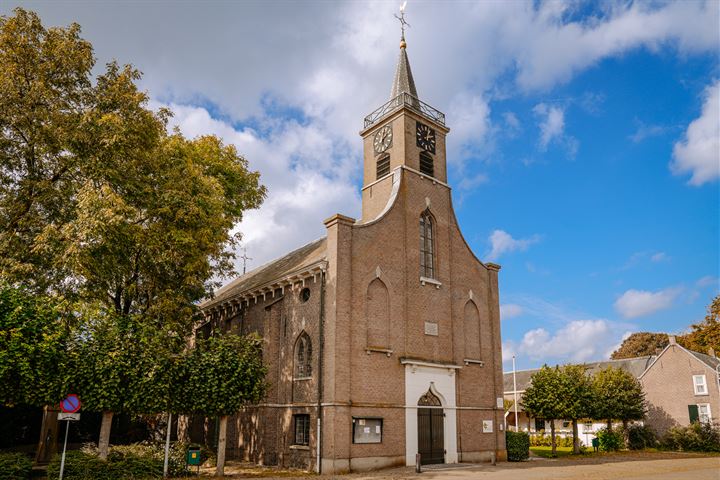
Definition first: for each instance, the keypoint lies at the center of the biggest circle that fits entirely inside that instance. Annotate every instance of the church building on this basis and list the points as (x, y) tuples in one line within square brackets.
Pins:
[(382, 339)]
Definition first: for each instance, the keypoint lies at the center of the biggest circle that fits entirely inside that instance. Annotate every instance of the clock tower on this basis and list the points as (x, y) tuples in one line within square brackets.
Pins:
[(403, 133)]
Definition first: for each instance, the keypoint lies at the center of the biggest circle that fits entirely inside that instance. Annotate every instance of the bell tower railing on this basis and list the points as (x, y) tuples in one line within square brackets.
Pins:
[(405, 99)]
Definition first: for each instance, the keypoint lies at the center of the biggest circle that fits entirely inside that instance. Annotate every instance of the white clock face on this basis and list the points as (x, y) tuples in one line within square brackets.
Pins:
[(383, 139)]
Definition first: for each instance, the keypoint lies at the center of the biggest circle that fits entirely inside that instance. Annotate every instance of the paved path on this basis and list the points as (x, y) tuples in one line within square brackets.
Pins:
[(675, 469)]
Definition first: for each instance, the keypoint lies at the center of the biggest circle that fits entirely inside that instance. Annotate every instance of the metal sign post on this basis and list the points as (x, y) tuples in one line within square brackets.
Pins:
[(69, 406)]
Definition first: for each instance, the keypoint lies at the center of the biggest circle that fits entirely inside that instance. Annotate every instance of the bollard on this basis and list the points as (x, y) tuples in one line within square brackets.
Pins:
[(493, 458), (418, 466)]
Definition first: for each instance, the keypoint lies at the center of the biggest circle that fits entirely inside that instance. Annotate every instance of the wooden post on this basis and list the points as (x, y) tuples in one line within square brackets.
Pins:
[(104, 441), (222, 436)]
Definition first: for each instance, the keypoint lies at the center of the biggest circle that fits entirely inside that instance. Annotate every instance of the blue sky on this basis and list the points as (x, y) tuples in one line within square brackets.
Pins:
[(583, 148)]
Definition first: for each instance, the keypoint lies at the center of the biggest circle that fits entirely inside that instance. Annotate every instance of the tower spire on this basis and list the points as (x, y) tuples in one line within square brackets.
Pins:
[(403, 82)]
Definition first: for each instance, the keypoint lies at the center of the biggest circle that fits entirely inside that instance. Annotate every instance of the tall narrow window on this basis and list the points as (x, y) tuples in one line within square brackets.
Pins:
[(700, 385), (383, 166), (426, 164), (303, 356), (427, 254)]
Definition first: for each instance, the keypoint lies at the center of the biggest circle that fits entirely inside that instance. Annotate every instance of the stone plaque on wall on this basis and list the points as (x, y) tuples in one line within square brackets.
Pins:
[(431, 329)]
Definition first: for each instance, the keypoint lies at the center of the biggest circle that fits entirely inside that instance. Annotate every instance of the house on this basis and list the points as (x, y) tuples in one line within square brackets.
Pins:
[(382, 339), (681, 386)]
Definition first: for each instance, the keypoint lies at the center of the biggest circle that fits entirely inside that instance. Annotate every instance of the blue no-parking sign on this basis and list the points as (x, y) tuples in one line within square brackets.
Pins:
[(70, 404)]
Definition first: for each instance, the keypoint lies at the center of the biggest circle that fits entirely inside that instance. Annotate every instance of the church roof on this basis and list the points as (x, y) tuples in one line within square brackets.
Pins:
[(296, 260), (403, 82)]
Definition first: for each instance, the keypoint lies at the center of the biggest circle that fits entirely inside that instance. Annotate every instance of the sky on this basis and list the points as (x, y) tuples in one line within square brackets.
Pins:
[(584, 151)]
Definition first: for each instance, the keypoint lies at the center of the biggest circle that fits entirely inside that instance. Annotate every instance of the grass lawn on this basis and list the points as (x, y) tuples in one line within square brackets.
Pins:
[(546, 451)]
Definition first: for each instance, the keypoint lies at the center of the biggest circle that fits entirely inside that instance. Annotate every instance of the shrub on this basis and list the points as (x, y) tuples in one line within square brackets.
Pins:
[(542, 439), (15, 466), (124, 462), (518, 446), (610, 440), (698, 437), (640, 437)]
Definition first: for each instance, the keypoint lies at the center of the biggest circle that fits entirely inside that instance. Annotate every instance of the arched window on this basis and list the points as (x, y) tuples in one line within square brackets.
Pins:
[(427, 252), (303, 356), (383, 166), (426, 164)]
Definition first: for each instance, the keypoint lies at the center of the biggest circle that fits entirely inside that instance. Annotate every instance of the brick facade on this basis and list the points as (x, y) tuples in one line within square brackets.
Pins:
[(382, 334)]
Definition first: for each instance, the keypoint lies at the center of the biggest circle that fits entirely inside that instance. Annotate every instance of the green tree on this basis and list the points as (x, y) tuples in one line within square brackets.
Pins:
[(706, 334), (542, 398), (576, 397), (221, 375), (640, 344), (32, 348), (99, 203), (618, 395)]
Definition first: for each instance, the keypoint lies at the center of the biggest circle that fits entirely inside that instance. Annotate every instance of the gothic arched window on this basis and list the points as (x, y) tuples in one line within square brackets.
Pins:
[(303, 356), (426, 164), (427, 252)]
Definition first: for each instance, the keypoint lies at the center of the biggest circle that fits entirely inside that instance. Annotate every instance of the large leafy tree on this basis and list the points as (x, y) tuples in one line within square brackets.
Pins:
[(219, 376), (618, 395), (576, 397), (640, 344), (706, 334), (542, 399), (101, 205)]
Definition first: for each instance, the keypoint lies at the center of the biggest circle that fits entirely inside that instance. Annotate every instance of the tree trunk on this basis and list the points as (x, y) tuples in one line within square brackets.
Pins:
[(221, 447), (183, 428), (609, 424), (576, 438), (552, 438), (47, 445), (104, 441), (626, 438)]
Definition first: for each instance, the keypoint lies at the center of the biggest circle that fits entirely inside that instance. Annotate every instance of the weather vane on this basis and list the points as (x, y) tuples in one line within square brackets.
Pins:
[(401, 17)]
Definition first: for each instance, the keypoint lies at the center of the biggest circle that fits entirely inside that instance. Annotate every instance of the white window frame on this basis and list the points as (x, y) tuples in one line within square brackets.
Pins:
[(708, 415), (702, 384)]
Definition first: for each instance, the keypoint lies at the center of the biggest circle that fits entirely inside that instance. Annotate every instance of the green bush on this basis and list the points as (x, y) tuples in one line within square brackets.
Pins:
[(610, 440), (134, 461), (640, 437), (15, 466), (698, 437), (541, 439), (518, 446)]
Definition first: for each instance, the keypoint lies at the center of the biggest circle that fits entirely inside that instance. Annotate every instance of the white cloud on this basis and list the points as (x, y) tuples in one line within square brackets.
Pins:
[(309, 177), (563, 334), (647, 131), (502, 242), (510, 310), (638, 303), (708, 281), (551, 125), (659, 257), (578, 341), (699, 152)]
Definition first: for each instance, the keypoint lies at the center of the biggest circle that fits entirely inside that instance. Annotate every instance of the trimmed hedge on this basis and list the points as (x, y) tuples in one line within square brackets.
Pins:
[(124, 462), (544, 439), (15, 466), (518, 446)]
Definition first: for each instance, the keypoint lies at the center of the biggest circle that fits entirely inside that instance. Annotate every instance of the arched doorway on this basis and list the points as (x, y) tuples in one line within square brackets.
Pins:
[(431, 425)]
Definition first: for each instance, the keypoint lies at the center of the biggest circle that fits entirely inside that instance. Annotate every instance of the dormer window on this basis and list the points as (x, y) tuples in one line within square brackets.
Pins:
[(383, 166), (426, 164)]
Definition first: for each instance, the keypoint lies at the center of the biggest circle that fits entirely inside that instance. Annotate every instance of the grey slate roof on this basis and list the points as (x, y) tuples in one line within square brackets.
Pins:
[(711, 362), (635, 366), (403, 82), (296, 260)]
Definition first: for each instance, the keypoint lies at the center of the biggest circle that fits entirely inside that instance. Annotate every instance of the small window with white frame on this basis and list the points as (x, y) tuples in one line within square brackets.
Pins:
[(700, 384), (704, 413)]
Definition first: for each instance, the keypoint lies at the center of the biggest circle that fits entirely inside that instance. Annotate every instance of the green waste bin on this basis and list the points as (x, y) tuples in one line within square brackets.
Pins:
[(596, 443), (193, 456)]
